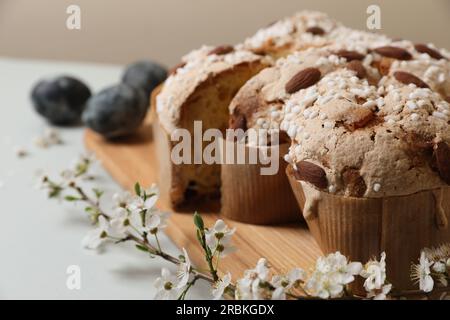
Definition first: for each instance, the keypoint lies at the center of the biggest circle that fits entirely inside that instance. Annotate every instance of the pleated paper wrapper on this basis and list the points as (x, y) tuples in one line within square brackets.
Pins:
[(248, 195), (362, 228)]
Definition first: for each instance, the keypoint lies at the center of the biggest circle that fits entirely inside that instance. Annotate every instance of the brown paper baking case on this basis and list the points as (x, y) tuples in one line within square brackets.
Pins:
[(250, 197), (362, 228)]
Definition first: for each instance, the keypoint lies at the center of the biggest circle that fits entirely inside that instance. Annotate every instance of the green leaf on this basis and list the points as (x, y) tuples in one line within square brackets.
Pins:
[(98, 193), (94, 217), (199, 238), (137, 189), (71, 198), (142, 248), (81, 169), (89, 209), (53, 194), (55, 191), (198, 221)]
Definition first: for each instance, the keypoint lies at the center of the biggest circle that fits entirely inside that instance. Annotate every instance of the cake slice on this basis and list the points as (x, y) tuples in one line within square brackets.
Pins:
[(199, 90)]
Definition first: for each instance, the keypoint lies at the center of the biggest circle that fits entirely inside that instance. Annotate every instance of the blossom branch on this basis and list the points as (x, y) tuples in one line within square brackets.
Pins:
[(143, 205), (143, 242), (135, 218)]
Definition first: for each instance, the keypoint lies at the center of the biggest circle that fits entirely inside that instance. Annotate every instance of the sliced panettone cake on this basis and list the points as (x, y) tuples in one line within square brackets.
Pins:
[(199, 90), (203, 85)]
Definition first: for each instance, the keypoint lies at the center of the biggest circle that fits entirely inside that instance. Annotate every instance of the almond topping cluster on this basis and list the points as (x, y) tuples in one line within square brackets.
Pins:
[(421, 101)]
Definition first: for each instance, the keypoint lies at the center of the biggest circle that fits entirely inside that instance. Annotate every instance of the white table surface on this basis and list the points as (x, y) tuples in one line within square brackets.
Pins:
[(40, 238)]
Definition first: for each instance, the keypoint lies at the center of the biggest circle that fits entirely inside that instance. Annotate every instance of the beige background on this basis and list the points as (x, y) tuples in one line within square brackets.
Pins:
[(120, 31)]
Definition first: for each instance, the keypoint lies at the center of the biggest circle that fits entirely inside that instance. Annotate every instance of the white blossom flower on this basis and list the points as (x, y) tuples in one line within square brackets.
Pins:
[(251, 286), (155, 222), (331, 274), (40, 180), (83, 163), (262, 269), (49, 138), (220, 286), (144, 216), (20, 152), (289, 280), (421, 273), (79, 170), (258, 291), (99, 235), (121, 222), (324, 285), (380, 294), (337, 264), (130, 222), (138, 204), (41, 142), (69, 176), (166, 286), (244, 289), (52, 136), (375, 273), (439, 267), (122, 199), (44, 182), (184, 270), (279, 294), (219, 237), (283, 283), (347, 270)]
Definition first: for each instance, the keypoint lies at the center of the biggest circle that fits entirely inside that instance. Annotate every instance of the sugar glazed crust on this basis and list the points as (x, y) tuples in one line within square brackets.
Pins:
[(303, 29), (195, 69), (367, 116)]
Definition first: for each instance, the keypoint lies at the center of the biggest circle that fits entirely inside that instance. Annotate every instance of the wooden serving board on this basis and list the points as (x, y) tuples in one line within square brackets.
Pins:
[(284, 246)]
